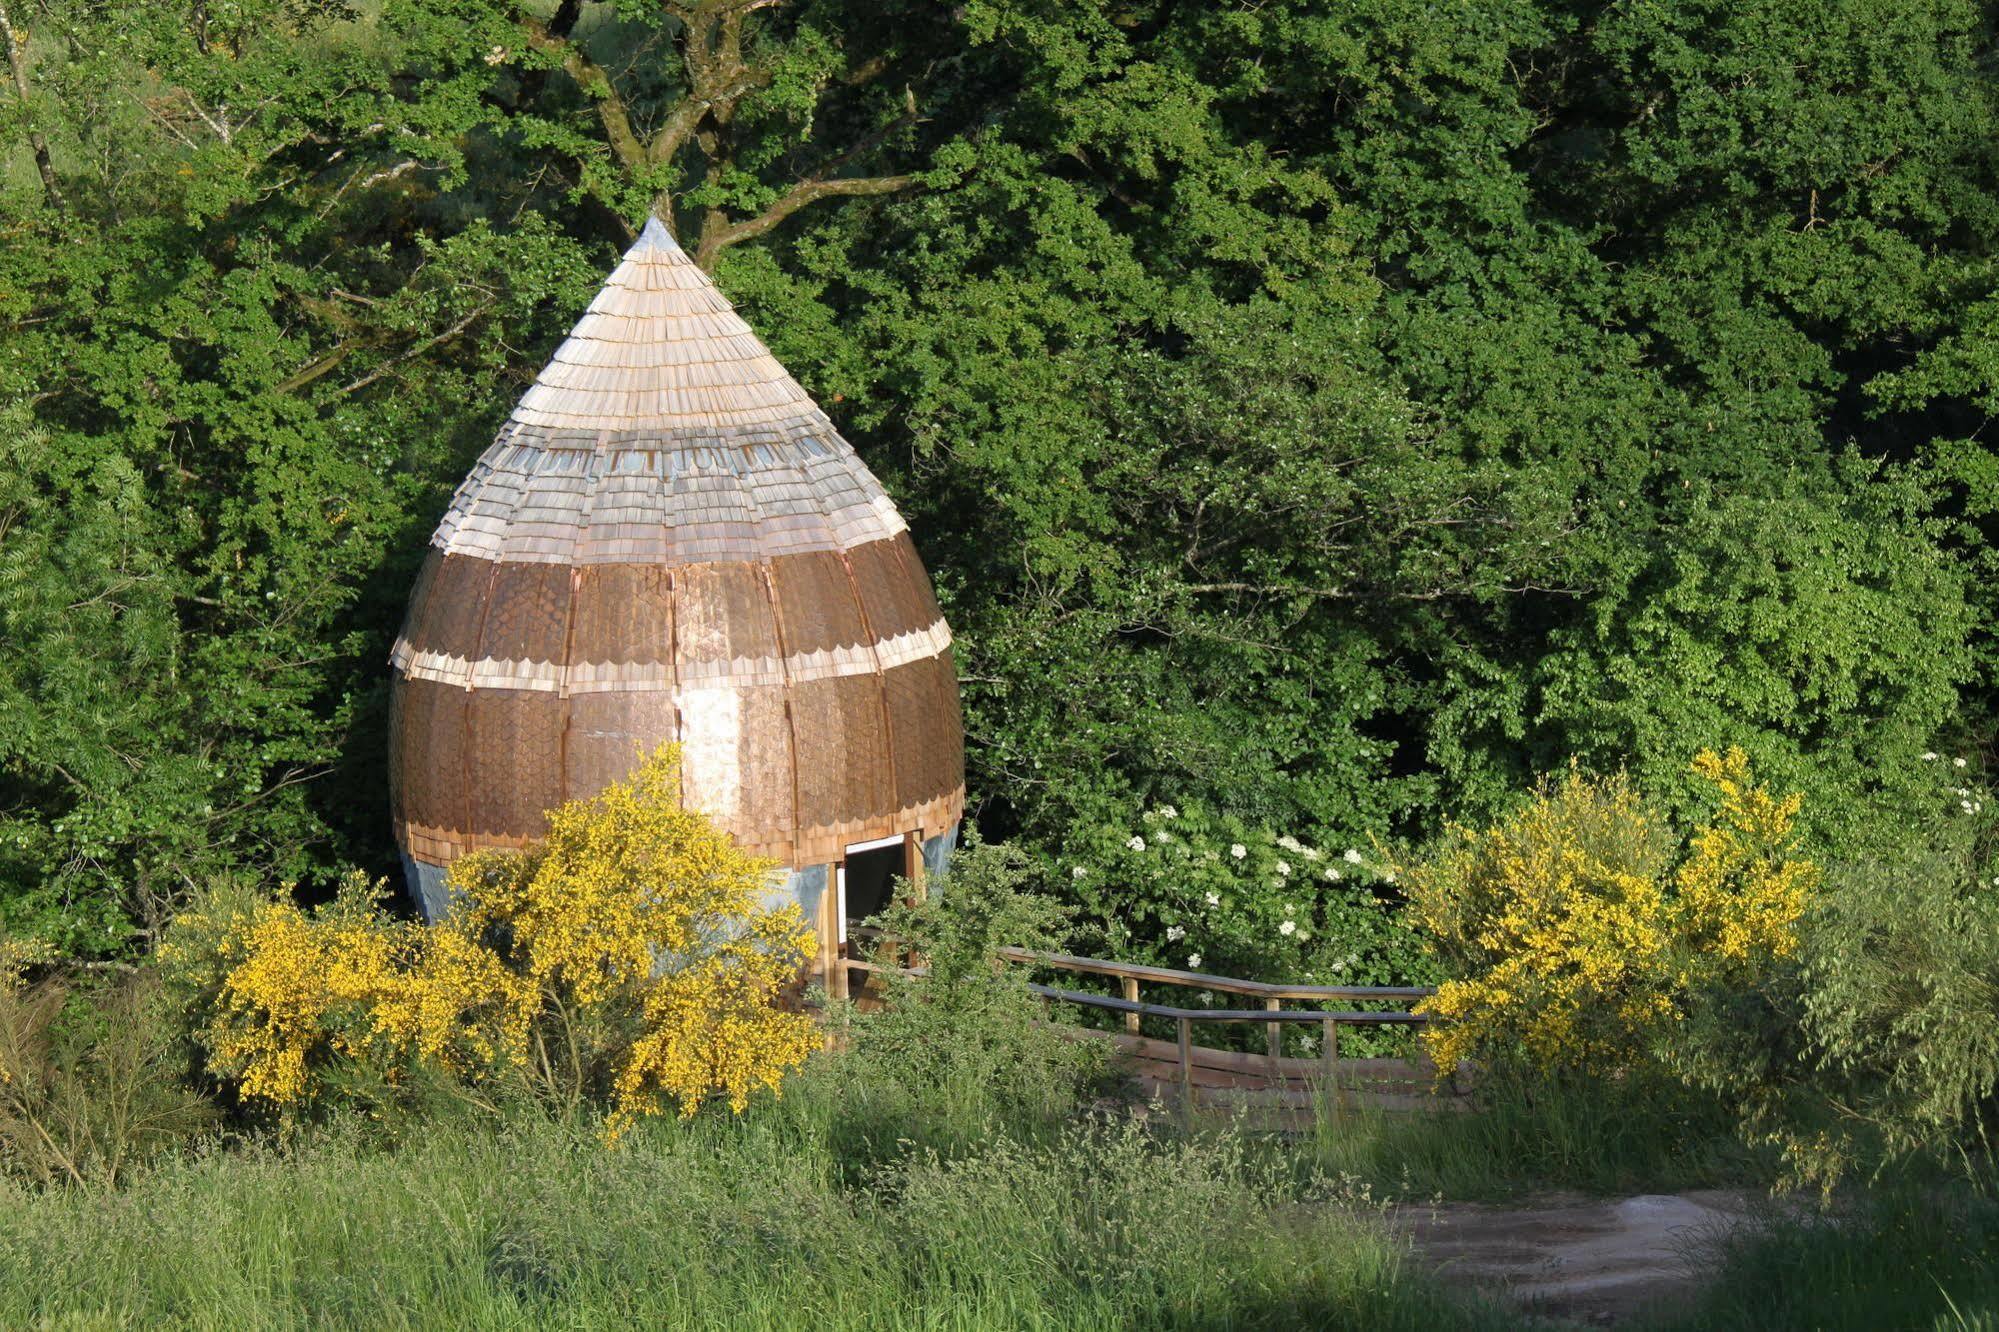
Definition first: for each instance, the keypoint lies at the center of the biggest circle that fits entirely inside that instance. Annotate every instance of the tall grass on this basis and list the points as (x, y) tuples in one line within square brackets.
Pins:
[(753, 1223), (1520, 1134), (1913, 1255)]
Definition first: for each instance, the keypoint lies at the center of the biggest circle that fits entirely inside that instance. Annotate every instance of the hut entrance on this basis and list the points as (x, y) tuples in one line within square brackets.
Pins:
[(867, 876), (863, 885)]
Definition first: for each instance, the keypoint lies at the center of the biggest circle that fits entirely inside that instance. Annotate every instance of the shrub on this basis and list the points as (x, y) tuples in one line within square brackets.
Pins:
[(1882, 1042), (1877, 1040), (1189, 888), (965, 1046), (92, 1075), (625, 959), (1900, 1004), (1582, 928)]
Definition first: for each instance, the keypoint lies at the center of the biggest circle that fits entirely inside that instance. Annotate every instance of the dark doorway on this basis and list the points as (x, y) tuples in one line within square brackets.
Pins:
[(870, 878)]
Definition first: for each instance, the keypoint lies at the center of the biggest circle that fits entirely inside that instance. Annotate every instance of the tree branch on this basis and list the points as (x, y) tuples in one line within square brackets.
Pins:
[(718, 77), (685, 118), (332, 360), (17, 62), (325, 365), (798, 196), (595, 82), (426, 345)]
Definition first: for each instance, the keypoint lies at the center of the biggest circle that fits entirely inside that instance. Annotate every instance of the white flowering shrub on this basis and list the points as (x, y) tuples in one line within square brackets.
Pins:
[(1200, 892)]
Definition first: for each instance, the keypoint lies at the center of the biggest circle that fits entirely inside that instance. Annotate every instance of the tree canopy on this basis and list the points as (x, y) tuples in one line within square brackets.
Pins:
[(1327, 412)]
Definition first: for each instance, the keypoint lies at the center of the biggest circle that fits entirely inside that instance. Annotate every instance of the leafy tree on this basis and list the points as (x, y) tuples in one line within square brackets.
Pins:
[(1325, 418)]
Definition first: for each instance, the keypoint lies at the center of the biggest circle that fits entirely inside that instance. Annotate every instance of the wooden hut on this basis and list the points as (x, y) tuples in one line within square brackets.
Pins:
[(668, 541)]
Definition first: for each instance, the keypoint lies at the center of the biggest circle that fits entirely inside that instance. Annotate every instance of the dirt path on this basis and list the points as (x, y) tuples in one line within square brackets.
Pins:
[(1589, 1260)]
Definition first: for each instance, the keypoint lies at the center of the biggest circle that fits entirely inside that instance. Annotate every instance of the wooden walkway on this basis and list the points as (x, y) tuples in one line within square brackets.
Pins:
[(1197, 1075)]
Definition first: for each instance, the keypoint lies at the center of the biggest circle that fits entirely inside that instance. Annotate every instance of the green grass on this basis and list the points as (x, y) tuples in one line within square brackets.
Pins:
[(852, 1204), (884, 1196), (1915, 1256), (757, 1223), (1521, 1137)]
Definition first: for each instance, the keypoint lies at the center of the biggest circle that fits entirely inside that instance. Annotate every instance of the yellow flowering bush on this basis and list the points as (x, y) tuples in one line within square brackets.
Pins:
[(637, 916), (19, 954), (1579, 926), (1740, 894), (627, 958)]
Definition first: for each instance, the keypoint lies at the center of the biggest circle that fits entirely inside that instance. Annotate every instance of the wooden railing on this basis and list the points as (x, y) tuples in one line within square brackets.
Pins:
[(1272, 1013)]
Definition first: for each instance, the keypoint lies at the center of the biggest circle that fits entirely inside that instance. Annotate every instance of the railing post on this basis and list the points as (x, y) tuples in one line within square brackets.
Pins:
[(1329, 1046), (1186, 1066), (1273, 1035), (1130, 986)]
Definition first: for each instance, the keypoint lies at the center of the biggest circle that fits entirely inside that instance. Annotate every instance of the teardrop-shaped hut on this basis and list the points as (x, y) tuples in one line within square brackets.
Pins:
[(667, 541)]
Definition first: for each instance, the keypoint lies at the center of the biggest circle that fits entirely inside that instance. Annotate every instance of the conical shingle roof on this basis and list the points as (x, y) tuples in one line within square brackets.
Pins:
[(668, 540)]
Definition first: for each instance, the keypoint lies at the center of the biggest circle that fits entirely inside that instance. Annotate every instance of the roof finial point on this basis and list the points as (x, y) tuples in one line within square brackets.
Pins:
[(655, 233)]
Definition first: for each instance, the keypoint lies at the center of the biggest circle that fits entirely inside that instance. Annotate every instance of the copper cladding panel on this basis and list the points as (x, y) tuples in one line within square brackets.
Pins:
[(736, 759), (426, 578), (610, 732), (893, 586), (843, 753), (514, 760), (527, 615), (925, 729), (455, 608), (725, 629), (427, 753), (768, 810), (623, 616), (816, 603)]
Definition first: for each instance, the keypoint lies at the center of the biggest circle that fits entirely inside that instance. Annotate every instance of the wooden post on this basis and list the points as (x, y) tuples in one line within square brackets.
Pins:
[(912, 867), (1329, 1048), (829, 968), (1273, 1035), (1130, 986), (1187, 1067), (836, 979), (912, 873)]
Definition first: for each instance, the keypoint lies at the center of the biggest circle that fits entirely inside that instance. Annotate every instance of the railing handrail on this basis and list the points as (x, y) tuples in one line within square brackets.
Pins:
[(1143, 1009), (1200, 980), (1138, 1006), (1196, 980), (1134, 1009)]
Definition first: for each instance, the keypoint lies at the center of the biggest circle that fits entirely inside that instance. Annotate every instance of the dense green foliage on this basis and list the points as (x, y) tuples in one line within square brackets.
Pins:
[(1322, 414), (949, 1168), (966, 1040), (1201, 891), (1878, 1043)]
